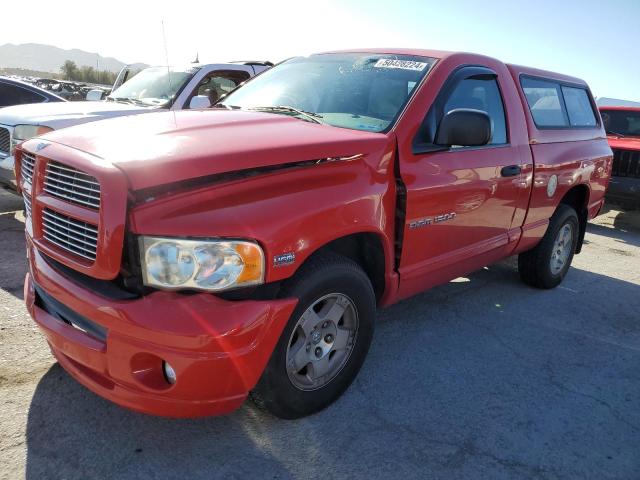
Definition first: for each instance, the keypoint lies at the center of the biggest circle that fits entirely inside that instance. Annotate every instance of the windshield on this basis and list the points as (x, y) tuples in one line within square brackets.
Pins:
[(624, 123), (154, 86), (349, 90)]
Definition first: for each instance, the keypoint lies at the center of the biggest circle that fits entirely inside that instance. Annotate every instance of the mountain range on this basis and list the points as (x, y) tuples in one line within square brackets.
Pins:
[(47, 58)]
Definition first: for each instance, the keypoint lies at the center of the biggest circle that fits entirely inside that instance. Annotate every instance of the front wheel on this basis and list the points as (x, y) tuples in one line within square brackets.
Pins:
[(546, 265), (325, 342)]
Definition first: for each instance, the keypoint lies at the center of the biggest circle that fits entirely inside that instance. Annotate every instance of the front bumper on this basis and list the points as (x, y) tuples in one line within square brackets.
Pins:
[(624, 191), (7, 177), (217, 348)]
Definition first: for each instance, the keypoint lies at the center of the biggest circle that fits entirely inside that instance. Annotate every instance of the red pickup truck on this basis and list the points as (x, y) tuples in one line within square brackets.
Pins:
[(622, 125), (181, 261)]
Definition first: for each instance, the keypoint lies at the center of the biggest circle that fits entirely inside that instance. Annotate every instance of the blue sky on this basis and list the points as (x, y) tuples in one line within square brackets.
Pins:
[(594, 40), (598, 41)]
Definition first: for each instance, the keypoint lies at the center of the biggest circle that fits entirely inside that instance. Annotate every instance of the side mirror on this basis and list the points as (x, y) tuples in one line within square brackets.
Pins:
[(94, 95), (464, 127), (200, 101)]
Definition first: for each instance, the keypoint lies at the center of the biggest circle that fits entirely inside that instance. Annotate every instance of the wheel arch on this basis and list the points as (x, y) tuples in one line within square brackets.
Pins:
[(577, 197), (367, 250)]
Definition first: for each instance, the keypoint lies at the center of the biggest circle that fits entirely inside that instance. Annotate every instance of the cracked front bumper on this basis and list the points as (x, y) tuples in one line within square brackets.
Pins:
[(217, 348)]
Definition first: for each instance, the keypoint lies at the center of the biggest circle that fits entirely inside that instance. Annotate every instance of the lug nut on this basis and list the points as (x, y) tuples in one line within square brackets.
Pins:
[(328, 338), (318, 352), (325, 324)]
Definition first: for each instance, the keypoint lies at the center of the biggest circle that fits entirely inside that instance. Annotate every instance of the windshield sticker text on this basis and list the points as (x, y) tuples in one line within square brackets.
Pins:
[(402, 64)]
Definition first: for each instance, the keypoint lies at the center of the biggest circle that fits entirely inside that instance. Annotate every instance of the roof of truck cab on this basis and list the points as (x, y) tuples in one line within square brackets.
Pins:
[(517, 70), (396, 51)]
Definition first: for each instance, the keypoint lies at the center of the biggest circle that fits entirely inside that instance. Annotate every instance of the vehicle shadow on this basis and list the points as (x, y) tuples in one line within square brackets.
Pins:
[(480, 378), (13, 266), (621, 230)]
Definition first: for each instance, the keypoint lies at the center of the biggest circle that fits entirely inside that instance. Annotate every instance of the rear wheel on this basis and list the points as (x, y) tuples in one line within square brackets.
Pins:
[(325, 342), (546, 265)]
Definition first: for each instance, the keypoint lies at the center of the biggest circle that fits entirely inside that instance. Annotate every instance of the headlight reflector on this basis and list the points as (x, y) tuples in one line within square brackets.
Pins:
[(211, 265), (26, 132)]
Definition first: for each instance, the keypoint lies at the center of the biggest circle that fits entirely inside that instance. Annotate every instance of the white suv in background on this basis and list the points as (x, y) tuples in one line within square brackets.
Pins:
[(174, 88)]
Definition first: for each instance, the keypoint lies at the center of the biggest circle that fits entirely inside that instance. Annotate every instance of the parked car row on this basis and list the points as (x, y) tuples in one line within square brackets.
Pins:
[(66, 89), (152, 89), (15, 92), (243, 249), (69, 90)]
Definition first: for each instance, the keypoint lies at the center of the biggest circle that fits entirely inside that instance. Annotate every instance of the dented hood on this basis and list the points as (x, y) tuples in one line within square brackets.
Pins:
[(166, 147)]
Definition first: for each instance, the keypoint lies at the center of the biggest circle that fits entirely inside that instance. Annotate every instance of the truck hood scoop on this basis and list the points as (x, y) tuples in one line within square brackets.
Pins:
[(167, 147)]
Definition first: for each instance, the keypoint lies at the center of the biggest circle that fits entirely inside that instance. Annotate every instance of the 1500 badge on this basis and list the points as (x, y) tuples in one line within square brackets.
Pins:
[(423, 222), (284, 259)]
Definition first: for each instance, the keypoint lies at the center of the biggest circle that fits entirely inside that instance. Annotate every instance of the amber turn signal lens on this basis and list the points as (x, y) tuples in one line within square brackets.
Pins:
[(252, 258)]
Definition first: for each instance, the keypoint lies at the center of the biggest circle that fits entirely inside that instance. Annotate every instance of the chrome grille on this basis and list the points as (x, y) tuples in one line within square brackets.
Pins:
[(27, 205), (27, 167), (72, 235), (626, 163), (72, 185), (5, 142)]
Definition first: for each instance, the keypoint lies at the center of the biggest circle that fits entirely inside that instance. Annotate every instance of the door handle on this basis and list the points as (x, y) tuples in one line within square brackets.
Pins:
[(510, 171)]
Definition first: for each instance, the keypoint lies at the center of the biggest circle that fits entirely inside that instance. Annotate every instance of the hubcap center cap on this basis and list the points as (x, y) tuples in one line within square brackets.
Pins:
[(316, 336)]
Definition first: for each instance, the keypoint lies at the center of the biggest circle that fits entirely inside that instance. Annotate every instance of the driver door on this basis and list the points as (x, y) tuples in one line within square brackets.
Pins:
[(460, 201)]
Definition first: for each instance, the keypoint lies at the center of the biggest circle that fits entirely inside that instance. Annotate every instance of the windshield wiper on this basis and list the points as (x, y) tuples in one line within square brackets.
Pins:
[(133, 101), (621, 135), (311, 116)]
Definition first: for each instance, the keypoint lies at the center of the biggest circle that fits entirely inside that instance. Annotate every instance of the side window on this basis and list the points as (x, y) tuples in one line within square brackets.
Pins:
[(219, 83), (481, 95), (579, 107), (545, 102), (14, 95)]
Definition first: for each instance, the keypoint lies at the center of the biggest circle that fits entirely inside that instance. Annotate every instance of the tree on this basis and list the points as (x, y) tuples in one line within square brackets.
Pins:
[(69, 70), (87, 74)]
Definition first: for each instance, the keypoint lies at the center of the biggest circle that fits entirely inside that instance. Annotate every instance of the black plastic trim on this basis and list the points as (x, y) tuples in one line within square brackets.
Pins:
[(63, 313), (104, 288), (511, 171)]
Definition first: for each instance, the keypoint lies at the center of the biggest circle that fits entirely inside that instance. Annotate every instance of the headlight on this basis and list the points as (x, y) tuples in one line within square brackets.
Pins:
[(25, 132), (211, 265)]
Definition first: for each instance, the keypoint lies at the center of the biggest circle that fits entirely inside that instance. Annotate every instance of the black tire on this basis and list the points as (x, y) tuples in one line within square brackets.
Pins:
[(321, 276), (534, 265)]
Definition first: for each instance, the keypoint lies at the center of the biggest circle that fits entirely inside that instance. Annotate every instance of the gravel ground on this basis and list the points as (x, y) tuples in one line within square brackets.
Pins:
[(480, 378)]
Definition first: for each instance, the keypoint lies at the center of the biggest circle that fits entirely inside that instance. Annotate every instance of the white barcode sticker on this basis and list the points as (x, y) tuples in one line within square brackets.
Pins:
[(402, 64)]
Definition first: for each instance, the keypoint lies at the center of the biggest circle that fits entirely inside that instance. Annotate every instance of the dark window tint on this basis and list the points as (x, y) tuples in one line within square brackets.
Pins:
[(545, 102), (578, 107), (621, 122), (14, 95), (481, 95)]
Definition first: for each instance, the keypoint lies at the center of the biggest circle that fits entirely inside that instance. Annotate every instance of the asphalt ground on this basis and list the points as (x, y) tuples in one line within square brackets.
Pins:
[(481, 378)]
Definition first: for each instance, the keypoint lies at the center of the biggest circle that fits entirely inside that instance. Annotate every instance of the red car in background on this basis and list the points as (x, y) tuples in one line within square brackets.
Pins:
[(622, 125)]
